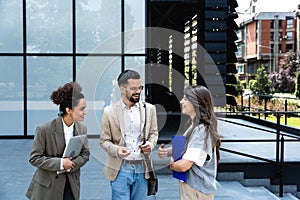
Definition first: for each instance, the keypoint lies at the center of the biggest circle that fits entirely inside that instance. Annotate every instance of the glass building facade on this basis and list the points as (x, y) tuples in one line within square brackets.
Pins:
[(47, 43)]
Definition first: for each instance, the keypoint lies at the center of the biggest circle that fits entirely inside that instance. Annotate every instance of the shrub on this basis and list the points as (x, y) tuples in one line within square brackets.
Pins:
[(239, 88)]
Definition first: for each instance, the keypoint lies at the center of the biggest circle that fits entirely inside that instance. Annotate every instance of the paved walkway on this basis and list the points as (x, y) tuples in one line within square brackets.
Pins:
[(16, 175), (262, 149), (16, 172)]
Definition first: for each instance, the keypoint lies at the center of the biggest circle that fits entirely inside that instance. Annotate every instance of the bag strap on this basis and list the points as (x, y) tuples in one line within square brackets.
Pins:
[(146, 156)]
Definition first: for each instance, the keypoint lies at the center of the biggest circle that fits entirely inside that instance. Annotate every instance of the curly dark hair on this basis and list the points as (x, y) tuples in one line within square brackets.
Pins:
[(67, 96)]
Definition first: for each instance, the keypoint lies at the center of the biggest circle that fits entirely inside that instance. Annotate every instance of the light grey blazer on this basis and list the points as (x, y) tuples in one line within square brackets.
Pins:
[(112, 134), (47, 150)]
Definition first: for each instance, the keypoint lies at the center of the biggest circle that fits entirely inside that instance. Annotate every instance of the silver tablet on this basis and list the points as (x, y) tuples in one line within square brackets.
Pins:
[(74, 146)]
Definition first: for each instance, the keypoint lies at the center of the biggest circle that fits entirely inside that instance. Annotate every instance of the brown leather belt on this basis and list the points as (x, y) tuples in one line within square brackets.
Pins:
[(133, 162)]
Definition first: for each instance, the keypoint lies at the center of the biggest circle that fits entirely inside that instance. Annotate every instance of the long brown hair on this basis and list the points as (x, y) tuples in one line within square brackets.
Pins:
[(202, 101)]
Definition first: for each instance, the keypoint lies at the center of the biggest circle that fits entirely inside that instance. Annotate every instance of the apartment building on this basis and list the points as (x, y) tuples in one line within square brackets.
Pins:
[(264, 40)]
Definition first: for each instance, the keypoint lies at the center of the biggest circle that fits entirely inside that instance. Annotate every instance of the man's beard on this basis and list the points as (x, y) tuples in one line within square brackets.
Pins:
[(133, 100)]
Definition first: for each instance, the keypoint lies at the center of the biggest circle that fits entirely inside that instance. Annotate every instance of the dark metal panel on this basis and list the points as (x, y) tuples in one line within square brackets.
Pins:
[(211, 14), (216, 4), (215, 36), (215, 46), (213, 25)]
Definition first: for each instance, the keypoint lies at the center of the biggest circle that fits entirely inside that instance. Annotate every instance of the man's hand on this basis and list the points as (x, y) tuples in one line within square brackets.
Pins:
[(164, 152), (146, 148), (123, 152)]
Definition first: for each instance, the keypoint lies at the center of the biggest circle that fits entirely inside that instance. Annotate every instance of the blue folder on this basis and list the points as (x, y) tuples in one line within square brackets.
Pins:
[(178, 144)]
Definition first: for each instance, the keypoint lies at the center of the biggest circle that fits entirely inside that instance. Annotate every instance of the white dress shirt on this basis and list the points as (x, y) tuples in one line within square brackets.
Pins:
[(68, 131), (132, 130)]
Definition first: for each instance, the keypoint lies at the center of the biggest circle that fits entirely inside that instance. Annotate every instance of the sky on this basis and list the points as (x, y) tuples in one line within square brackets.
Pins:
[(267, 6)]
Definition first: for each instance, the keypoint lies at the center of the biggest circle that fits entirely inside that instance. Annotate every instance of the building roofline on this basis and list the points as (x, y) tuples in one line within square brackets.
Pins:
[(266, 16)]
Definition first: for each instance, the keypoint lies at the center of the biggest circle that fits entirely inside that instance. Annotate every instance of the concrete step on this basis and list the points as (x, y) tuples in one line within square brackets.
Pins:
[(235, 190), (297, 194), (288, 196), (286, 188), (230, 176), (261, 193), (231, 190), (239, 176)]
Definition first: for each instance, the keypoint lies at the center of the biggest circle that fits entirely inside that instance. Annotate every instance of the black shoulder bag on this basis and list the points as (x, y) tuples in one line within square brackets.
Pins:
[(152, 181)]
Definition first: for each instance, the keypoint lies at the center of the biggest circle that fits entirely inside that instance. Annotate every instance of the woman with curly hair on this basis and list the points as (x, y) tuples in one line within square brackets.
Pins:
[(48, 146), (201, 154)]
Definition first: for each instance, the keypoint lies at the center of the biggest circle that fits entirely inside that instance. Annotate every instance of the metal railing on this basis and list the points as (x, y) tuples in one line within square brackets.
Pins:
[(265, 99), (280, 142)]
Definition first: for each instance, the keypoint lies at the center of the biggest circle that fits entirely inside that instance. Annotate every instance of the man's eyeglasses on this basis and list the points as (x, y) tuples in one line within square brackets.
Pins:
[(135, 88)]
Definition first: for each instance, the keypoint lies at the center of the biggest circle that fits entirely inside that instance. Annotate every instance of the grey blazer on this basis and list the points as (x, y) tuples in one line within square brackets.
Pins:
[(47, 150), (112, 135)]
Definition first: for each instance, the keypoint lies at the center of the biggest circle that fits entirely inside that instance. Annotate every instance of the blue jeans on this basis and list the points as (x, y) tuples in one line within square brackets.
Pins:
[(130, 183)]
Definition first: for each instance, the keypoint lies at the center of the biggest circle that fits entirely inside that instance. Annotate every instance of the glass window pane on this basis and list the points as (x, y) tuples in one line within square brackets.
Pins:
[(289, 23), (11, 26), (98, 23), (44, 75), (11, 96), (289, 35), (97, 76), (49, 26), (134, 26), (137, 64)]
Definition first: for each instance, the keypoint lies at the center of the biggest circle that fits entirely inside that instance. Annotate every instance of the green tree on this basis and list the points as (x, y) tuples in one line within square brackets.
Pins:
[(239, 87), (261, 85)]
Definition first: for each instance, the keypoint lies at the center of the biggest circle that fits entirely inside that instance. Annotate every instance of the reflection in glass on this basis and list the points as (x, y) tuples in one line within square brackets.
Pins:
[(96, 22), (11, 26), (11, 96), (44, 75), (134, 26), (138, 64), (49, 26), (97, 76), (49, 30)]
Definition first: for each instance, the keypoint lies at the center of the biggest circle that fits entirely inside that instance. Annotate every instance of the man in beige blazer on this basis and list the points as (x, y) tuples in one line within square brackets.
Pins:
[(122, 137)]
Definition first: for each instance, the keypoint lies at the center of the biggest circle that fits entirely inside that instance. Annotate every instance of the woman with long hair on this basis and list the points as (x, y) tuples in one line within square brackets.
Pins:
[(201, 155)]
